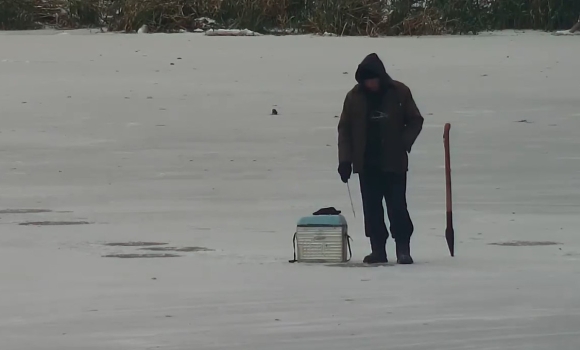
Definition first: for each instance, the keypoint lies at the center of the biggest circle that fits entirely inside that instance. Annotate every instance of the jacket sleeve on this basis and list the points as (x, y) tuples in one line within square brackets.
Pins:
[(413, 120), (345, 133)]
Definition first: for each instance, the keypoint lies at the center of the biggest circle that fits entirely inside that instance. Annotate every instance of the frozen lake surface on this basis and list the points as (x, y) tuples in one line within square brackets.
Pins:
[(169, 139)]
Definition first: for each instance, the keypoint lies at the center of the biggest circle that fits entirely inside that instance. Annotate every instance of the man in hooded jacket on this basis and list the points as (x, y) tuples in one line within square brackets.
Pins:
[(378, 126)]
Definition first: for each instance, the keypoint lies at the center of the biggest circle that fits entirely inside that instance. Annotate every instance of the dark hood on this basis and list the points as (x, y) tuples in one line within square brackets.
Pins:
[(373, 66)]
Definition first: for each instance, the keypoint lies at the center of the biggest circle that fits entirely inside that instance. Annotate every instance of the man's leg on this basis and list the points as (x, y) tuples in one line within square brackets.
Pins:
[(372, 184), (399, 218), (576, 27)]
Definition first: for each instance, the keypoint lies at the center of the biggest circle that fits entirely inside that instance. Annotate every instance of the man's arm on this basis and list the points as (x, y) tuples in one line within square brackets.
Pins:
[(413, 120), (345, 133)]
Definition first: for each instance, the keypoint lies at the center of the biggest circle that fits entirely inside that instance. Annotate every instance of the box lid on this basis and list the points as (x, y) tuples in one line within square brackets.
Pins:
[(322, 220)]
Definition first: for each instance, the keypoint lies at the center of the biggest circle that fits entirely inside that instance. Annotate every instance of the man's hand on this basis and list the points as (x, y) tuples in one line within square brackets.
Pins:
[(345, 170)]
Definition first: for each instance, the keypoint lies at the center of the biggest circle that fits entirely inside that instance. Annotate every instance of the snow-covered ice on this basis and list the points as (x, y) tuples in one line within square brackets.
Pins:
[(169, 138)]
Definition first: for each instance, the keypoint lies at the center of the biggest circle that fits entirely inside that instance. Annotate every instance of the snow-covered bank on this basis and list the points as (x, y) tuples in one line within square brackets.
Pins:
[(169, 138)]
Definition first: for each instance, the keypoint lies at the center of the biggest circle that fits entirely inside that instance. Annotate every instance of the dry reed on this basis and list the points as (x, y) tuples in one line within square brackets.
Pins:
[(342, 17)]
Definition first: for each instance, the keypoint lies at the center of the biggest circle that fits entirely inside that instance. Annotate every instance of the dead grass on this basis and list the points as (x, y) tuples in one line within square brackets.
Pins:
[(341, 17)]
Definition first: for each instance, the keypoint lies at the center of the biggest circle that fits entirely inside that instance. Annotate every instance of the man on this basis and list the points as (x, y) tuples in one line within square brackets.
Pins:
[(377, 128)]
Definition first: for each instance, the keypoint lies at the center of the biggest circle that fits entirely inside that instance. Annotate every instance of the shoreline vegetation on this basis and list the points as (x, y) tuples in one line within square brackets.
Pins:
[(284, 17)]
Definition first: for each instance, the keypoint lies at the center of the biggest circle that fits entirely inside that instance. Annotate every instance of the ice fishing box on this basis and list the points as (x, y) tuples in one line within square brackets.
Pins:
[(322, 238)]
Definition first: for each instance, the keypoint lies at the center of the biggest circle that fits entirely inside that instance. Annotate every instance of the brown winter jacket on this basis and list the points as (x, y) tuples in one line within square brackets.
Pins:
[(399, 129)]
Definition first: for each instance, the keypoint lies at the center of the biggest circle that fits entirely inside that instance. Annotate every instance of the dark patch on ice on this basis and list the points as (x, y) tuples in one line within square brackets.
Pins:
[(54, 223), (524, 121), (140, 256), (524, 243), (177, 249), (274, 111), (24, 211), (133, 244)]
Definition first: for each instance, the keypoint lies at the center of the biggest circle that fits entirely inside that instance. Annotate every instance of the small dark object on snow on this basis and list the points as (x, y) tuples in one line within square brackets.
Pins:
[(344, 72), (327, 211), (274, 111), (524, 121), (336, 116), (173, 64)]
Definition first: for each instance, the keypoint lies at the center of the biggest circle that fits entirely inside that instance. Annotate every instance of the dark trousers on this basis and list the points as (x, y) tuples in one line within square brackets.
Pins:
[(376, 185)]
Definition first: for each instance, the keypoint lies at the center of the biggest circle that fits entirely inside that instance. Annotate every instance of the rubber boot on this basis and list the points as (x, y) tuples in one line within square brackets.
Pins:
[(404, 253), (378, 253)]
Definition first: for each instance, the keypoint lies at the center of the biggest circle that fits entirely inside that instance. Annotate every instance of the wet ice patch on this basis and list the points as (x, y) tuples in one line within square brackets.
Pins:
[(54, 223), (133, 244), (141, 256), (524, 243), (177, 249), (24, 211)]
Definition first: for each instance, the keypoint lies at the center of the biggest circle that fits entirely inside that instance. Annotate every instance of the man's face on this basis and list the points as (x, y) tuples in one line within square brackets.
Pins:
[(373, 84)]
